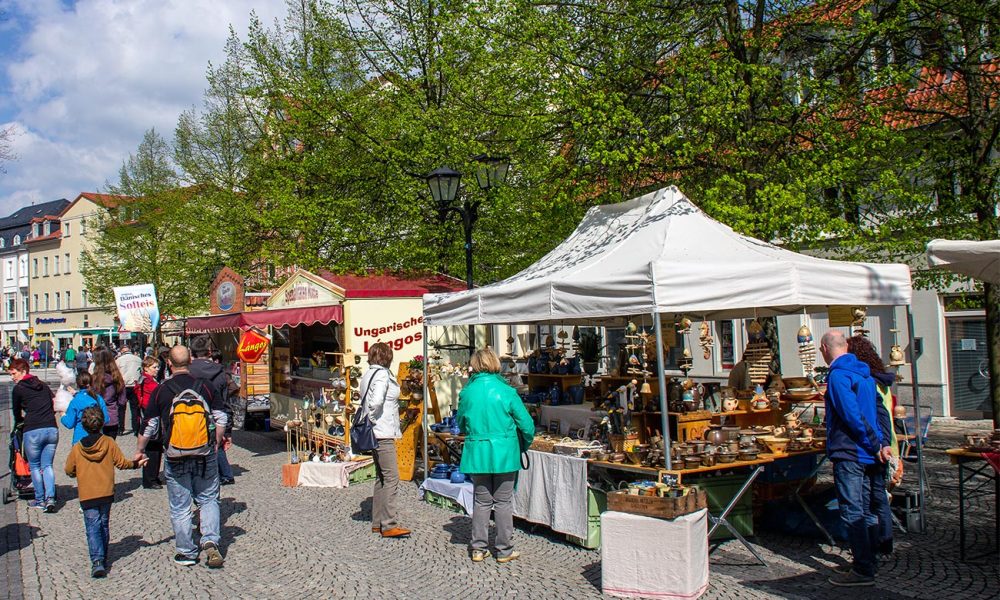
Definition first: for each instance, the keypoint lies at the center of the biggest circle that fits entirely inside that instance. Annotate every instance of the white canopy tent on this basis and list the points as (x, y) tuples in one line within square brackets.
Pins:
[(659, 254), (980, 260)]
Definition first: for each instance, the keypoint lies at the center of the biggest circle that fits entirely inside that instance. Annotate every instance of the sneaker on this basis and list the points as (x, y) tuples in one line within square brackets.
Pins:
[(480, 555), (213, 558), (36, 504), (506, 559), (852, 579), (184, 561), (152, 486), (97, 570), (50, 506), (842, 569), (227, 481)]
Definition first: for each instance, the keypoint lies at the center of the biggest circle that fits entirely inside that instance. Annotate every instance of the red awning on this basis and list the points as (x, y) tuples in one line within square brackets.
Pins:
[(291, 317)]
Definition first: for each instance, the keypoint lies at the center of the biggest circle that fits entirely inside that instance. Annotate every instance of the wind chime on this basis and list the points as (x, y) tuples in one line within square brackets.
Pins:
[(705, 340), (859, 313), (807, 351), (896, 356), (757, 354)]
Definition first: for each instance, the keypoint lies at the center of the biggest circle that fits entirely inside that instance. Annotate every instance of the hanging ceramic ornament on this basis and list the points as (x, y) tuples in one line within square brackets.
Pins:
[(896, 356), (684, 325), (705, 340), (807, 351), (755, 332), (758, 358), (631, 328), (576, 333)]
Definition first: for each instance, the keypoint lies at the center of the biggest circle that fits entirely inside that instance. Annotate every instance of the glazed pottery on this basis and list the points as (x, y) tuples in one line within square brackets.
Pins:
[(708, 460), (726, 457), (715, 436), (692, 462), (748, 455), (733, 446)]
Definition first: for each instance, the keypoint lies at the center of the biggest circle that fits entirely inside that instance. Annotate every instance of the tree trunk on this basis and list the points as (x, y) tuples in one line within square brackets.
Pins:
[(991, 298)]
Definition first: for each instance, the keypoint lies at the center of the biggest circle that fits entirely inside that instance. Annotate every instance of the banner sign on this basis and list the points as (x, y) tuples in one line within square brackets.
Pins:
[(137, 308), (252, 346)]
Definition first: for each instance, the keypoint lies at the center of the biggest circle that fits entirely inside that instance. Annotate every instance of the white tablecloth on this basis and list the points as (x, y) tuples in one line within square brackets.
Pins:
[(654, 558), (553, 492), (571, 417), (459, 492), (334, 474)]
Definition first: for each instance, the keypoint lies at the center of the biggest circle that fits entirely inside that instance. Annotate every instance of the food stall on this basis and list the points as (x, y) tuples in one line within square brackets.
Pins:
[(317, 329), (658, 262)]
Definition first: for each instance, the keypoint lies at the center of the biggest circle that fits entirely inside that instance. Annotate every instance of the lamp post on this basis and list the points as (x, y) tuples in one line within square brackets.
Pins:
[(444, 184)]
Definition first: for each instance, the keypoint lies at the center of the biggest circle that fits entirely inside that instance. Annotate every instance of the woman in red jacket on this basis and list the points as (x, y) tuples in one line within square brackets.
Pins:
[(154, 449)]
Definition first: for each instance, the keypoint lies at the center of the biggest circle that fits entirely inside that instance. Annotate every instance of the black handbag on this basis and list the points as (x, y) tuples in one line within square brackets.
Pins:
[(362, 427)]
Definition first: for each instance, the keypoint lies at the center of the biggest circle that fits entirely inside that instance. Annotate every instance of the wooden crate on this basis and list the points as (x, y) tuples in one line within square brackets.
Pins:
[(654, 506)]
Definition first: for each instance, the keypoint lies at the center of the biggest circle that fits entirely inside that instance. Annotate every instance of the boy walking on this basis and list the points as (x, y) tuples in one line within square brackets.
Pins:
[(92, 461)]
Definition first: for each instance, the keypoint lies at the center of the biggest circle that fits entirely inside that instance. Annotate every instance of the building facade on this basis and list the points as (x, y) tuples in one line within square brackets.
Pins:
[(15, 312), (61, 313)]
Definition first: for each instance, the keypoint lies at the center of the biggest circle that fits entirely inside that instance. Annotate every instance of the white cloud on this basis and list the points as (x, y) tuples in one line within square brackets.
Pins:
[(87, 81)]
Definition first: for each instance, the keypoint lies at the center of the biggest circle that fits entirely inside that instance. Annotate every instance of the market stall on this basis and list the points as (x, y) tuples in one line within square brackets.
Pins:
[(657, 262)]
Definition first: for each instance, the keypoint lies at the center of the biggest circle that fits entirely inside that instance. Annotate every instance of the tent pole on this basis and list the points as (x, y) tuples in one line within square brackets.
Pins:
[(427, 395), (921, 475), (662, 380)]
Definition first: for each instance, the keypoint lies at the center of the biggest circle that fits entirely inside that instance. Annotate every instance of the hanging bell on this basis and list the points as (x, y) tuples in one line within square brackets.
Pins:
[(805, 336), (896, 356), (645, 389), (755, 332)]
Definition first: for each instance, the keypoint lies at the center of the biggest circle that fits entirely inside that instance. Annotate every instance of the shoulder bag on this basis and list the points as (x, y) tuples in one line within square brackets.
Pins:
[(362, 426)]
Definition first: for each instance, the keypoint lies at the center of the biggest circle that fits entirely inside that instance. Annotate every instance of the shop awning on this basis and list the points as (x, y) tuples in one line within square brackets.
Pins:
[(83, 331), (292, 317), (979, 259)]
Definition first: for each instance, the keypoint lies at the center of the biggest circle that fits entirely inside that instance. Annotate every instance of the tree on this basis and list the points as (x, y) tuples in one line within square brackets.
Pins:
[(156, 234), (6, 146)]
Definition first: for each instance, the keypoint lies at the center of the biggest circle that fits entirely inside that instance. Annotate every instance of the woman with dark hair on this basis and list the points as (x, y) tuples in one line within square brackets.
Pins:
[(379, 390), (865, 351), (33, 412), (108, 383)]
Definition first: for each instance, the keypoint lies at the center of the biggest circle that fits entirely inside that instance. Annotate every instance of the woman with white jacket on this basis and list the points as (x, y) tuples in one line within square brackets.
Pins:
[(379, 390)]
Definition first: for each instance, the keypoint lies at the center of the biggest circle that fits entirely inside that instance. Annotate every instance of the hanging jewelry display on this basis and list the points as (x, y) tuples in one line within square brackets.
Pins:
[(807, 351), (705, 340), (757, 353)]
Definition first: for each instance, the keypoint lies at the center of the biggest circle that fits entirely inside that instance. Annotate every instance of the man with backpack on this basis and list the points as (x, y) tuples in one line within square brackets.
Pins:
[(203, 367), (190, 421)]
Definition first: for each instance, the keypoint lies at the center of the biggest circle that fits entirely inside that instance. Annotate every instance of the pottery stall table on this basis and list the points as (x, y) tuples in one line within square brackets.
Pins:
[(755, 468), (552, 491), (448, 445), (973, 468)]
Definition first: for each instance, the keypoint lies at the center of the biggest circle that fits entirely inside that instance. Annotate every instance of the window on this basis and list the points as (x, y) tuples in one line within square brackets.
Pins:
[(10, 305), (83, 296), (67, 301), (46, 228), (58, 301), (22, 270), (65, 229), (727, 344), (3, 242), (36, 230), (34, 265), (17, 240), (24, 300), (56, 265), (36, 302), (67, 262), (83, 227), (9, 269), (46, 302), (45, 266)]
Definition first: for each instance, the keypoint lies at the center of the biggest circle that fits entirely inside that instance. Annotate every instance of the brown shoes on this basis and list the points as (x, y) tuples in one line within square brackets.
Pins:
[(376, 530), (395, 532)]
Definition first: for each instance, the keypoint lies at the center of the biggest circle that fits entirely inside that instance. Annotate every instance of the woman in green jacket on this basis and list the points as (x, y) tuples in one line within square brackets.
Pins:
[(496, 427)]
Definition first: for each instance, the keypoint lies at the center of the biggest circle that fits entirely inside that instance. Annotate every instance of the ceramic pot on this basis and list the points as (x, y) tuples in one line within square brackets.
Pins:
[(708, 460), (692, 462), (732, 433), (715, 436), (726, 457), (748, 454), (733, 446)]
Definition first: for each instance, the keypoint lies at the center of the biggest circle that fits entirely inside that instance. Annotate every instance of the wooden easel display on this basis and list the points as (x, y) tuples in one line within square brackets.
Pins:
[(407, 446)]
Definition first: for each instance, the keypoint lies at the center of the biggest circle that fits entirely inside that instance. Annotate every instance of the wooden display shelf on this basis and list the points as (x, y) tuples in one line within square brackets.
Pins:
[(652, 472), (680, 473)]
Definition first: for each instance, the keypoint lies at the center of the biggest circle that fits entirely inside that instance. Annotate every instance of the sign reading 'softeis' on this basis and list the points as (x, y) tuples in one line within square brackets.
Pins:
[(252, 346)]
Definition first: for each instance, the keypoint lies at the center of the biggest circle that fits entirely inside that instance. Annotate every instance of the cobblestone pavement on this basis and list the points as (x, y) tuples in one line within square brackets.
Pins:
[(316, 543)]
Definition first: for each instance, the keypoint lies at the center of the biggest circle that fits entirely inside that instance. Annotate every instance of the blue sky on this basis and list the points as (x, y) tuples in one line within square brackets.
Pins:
[(80, 81)]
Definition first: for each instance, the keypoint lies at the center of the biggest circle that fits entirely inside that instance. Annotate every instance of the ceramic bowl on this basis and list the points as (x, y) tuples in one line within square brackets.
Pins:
[(748, 455), (726, 457), (775, 444), (692, 462)]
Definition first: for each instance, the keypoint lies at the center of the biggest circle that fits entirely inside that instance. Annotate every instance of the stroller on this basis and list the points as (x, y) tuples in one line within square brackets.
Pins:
[(20, 473)]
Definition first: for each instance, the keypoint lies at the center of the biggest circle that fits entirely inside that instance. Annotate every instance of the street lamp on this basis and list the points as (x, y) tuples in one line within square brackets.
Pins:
[(444, 184)]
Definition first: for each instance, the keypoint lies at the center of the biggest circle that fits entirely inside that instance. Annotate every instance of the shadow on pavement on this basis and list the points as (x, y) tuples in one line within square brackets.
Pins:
[(129, 544), (16, 536), (364, 512)]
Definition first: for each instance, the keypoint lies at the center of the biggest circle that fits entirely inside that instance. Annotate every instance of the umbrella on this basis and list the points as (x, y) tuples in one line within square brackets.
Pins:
[(975, 259)]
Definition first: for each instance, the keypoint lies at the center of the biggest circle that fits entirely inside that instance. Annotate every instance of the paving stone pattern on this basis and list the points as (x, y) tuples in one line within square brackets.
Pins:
[(316, 543)]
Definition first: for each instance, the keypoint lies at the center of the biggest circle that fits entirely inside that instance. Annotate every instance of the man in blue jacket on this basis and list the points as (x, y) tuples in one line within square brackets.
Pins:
[(856, 448)]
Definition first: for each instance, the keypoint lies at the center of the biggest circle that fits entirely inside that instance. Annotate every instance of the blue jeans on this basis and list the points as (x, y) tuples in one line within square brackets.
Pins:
[(882, 511), (97, 523), (193, 480), (856, 488), (225, 469), (39, 450)]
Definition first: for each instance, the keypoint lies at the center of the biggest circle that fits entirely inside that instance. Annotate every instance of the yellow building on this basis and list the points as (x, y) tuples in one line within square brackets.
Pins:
[(60, 311)]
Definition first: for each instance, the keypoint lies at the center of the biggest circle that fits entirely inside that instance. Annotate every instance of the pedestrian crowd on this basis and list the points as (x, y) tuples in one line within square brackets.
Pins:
[(181, 420)]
